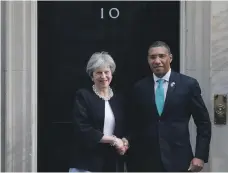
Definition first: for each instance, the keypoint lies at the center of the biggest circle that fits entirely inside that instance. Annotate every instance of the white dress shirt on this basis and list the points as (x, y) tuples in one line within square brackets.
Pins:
[(165, 84), (109, 121)]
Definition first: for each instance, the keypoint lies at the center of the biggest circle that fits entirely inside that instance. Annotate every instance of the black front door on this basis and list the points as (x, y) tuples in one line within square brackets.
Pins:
[(68, 34)]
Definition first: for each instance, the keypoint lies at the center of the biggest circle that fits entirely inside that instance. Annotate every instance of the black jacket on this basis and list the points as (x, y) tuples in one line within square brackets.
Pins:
[(161, 143), (88, 118)]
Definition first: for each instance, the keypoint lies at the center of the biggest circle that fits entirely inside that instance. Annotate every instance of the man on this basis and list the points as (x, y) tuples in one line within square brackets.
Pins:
[(162, 105)]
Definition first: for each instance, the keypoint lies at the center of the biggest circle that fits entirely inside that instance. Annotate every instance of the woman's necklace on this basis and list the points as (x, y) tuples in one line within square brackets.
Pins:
[(110, 93)]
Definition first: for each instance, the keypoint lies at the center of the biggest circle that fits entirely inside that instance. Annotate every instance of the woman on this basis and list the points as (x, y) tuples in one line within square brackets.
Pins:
[(99, 121)]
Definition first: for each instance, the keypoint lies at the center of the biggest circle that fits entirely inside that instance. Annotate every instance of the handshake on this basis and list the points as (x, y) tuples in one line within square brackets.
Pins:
[(121, 145)]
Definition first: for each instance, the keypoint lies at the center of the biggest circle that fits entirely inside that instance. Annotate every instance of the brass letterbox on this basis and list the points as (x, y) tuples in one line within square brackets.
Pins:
[(220, 109)]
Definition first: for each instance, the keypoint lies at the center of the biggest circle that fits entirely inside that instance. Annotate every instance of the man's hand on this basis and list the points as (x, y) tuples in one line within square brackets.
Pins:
[(196, 165), (120, 146)]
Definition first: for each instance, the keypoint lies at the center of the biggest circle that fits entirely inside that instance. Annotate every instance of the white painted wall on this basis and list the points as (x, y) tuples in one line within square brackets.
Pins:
[(219, 80), (19, 62), (196, 58)]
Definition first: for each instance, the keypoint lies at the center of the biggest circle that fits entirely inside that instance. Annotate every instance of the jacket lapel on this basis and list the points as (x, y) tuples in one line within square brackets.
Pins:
[(117, 109), (153, 97), (99, 109), (170, 91), (150, 95)]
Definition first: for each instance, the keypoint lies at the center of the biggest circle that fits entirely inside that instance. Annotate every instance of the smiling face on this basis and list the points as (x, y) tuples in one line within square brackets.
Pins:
[(159, 60), (102, 77)]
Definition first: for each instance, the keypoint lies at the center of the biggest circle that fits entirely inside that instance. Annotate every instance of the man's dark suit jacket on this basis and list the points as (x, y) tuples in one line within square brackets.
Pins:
[(161, 143), (88, 117)]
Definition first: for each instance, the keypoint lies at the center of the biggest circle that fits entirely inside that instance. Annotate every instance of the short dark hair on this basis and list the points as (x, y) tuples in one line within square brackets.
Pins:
[(160, 44)]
